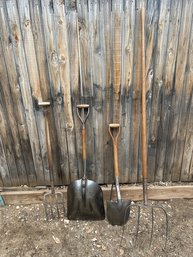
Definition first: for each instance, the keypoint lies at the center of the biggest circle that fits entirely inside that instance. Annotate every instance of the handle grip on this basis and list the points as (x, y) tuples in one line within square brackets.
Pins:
[(44, 104), (83, 112)]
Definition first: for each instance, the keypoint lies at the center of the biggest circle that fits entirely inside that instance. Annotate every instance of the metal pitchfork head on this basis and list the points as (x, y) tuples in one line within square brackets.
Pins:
[(145, 205), (152, 209), (53, 201)]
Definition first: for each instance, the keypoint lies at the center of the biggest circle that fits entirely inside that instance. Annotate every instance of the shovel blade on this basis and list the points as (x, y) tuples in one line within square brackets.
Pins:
[(118, 212), (91, 207)]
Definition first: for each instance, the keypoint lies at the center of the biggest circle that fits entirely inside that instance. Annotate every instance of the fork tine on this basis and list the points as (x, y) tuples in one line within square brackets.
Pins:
[(152, 226), (138, 220), (166, 220), (54, 205)]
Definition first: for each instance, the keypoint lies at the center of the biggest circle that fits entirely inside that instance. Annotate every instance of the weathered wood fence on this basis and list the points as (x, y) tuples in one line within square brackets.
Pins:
[(42, 57)]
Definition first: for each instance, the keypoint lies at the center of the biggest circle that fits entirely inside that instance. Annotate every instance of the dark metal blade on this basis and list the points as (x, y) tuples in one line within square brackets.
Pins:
[(91, 207), (118, 212)]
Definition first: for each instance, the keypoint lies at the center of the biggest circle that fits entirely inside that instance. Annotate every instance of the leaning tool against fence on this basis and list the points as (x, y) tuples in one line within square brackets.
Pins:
[(84, 196), (53, 201), (117, 210), (145, 206)]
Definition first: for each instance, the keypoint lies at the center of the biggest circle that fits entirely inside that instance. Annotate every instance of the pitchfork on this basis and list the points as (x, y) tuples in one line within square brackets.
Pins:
[(145, 205), (53, 201)]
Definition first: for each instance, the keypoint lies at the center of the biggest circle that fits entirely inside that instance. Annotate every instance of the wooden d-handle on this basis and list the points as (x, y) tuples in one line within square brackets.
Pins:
[(82, 112), (115, 128)]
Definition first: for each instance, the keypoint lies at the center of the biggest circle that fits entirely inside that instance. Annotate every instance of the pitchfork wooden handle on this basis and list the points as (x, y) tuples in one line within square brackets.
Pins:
[(143, 99), (48, 141)]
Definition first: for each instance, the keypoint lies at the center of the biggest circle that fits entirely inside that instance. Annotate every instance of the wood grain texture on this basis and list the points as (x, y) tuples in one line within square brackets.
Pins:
[(168, 82), (86, 90), (135, 193), (108, 91), (24, 85), (185, 105), (98, 85), (127, 79), (49, 21), (89, 52), (136, 99), (178, 88)]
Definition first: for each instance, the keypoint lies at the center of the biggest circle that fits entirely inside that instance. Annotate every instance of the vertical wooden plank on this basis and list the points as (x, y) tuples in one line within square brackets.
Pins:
[(108, 97), (61, 175), (116, 57), (151, 24), (73, 27), (185, 132), (10, 117), (39, 78), (136, 97), (34, 77), (85, 54), (185, 104), (16, 95), (187, 161), (159, 61), (167, 92), (97, 66), (10, 174), (64, 71), (4, 170), (117, 63), (128, 26), (87, 82), (168, 76), (151, 33), (19, 56), (178, 89)]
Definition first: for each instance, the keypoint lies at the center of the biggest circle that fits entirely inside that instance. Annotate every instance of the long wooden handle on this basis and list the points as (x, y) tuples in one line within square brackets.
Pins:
[(83, 144), (48, 144), (46, 106), (143, 101)]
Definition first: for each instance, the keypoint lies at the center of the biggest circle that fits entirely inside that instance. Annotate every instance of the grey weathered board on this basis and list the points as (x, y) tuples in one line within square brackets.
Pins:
[(71, 52)]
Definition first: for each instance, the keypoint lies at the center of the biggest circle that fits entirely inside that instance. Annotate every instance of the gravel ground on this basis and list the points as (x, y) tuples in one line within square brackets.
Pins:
[(26, 233)]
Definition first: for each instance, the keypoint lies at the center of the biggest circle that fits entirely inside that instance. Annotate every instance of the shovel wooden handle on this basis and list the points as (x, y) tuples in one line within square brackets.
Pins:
[(115, 128), (143, 100), (83, 112), (83, 144)]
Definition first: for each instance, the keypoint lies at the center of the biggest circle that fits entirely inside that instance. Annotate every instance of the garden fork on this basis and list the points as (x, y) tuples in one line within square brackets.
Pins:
[(53, 201), (145, 205)]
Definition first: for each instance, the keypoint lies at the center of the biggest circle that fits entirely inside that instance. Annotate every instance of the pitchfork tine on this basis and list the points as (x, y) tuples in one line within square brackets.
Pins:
[(152, 225), (138, 219)]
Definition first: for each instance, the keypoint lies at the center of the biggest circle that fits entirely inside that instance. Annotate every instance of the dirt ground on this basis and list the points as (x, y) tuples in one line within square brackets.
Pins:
[(24, 232)]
